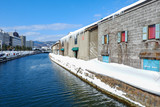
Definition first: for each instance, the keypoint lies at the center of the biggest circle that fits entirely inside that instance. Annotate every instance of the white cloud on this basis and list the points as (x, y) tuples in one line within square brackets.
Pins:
[(54, 27), (49, 37), (31, 34), (42, 37), (97, 15), (131, 1)]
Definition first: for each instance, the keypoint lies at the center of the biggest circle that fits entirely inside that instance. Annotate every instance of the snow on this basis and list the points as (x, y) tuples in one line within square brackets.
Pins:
[(123, 9), (73, 34), (146, 80), (139, 78), (12, 54)]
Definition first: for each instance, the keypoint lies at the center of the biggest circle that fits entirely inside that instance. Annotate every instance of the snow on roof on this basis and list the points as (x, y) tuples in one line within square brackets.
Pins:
[(124, 8), (73, 34)]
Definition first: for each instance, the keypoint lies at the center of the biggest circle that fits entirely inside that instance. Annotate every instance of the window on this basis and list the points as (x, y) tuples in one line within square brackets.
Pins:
[(75, 40), (151, 32), (62, 44), (105, 39), (123, 36)]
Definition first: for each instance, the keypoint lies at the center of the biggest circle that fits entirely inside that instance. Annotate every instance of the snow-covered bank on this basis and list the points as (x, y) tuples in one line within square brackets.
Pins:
[(145, 80), (9, 55)]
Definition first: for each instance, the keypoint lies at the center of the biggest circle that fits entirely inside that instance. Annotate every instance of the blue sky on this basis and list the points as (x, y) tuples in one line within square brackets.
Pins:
[(49, 20)]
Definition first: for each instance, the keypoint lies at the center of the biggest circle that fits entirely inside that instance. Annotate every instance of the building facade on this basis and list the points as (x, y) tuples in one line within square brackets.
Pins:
[(15, 40), (5, 38), (81, 44), (56, 48), (30, 44), (23, 40), (132, 37)]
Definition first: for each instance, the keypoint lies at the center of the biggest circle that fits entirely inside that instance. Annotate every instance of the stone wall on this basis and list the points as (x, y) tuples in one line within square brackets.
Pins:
[(135, 94), (133, 21)]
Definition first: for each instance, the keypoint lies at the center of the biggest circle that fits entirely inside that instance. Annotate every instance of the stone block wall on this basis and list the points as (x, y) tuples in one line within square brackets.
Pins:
[(93, 43), (133, 93), (133, 21)]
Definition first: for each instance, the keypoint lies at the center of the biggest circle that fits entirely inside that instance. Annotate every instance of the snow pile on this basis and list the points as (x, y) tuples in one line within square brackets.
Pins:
[(139, 78), (145, 80)]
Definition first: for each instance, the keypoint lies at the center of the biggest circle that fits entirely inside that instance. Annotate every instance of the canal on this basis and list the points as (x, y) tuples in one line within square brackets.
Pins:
[(35, 81)]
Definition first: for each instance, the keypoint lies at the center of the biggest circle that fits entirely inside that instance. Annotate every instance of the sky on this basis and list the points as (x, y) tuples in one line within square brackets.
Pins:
[(50, 20)]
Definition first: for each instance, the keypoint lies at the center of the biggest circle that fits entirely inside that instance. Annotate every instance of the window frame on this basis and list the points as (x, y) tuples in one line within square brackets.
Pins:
[(149, 36), (123, 32)]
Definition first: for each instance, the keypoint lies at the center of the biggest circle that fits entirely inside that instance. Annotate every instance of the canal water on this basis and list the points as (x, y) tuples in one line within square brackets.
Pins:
[(35, 81)]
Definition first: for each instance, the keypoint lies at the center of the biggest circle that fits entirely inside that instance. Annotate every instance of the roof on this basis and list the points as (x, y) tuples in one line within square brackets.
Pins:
[(123, 9), (89, 27), (55, 43)]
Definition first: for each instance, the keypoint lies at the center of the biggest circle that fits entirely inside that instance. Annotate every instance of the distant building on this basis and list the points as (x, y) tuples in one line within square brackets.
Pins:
[(30, 44), (15, 39), (5, 38), (55, 48), (23, 40)]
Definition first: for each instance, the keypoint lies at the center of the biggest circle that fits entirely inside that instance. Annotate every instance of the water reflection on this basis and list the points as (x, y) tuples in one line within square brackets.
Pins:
[(36, 81)]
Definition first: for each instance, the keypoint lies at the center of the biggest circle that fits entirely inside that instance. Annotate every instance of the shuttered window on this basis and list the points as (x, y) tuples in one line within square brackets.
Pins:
[(123, 36), (151, 32), (105, 39)]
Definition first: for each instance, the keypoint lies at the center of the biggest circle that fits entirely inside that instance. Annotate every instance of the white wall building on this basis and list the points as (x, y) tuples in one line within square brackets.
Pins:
[(4, 37), (23, 40), (30, 44)]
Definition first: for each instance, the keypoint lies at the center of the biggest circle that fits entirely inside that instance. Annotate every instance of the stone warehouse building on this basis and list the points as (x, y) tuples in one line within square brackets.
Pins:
[(81, 44), (56, 48), (132, 37)]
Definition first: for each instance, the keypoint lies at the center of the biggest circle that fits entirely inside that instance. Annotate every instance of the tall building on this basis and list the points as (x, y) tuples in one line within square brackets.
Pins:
[(23, 40), (4, 37), (30, 44), (15, 39)]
